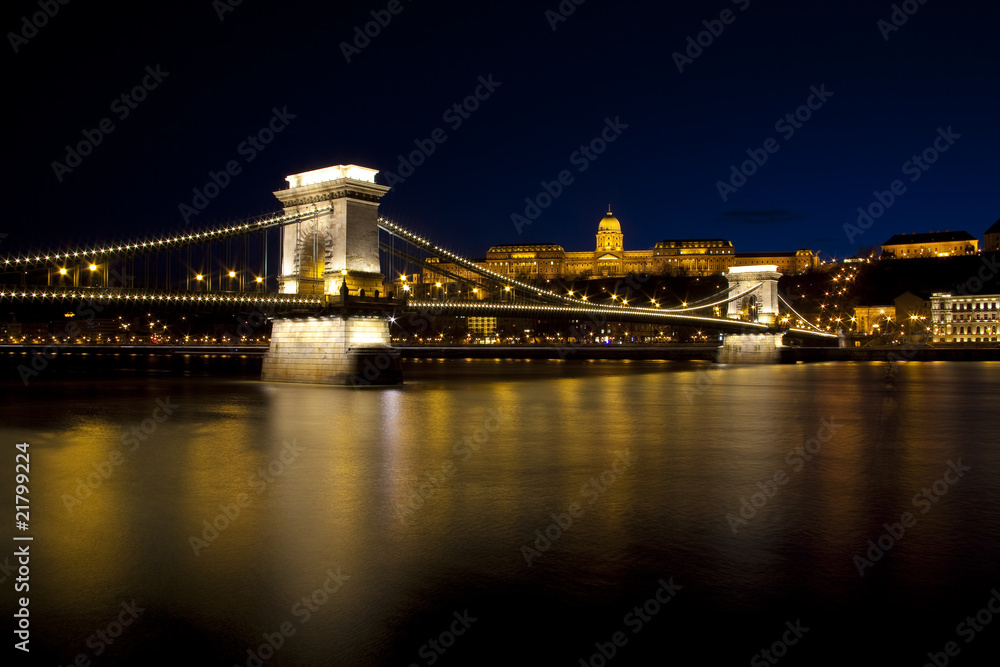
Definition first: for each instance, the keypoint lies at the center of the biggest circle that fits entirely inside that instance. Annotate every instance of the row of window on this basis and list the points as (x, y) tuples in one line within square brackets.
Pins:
[(983, 339), (709, 252), (963, 305), (964, 316), (968, 317), (979, 330)]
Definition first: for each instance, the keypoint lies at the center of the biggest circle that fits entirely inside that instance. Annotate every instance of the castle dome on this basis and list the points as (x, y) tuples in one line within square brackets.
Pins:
[(609, 223)]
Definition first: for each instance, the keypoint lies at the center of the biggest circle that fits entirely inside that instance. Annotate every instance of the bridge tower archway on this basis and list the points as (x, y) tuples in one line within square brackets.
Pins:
[(340, 245), (761, 305), (310, 260), (335, 254)]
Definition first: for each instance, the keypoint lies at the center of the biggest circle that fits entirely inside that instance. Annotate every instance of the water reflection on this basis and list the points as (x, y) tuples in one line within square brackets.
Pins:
[(365, 519)]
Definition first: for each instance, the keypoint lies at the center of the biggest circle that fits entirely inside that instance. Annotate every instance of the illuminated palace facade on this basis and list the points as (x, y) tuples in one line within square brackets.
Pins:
[(965, 318), (932, 244), (692, 257)]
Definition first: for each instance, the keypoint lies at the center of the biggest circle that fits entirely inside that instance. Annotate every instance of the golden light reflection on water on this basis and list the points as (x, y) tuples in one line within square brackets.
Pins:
[(353, 480), (78, 508)]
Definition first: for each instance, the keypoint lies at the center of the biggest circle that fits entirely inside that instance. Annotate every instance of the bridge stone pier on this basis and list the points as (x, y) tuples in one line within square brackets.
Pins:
[(335, 256), (761, 305)]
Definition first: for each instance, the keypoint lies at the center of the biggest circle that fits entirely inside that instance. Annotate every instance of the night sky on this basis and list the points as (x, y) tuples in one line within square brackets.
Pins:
[(886, 92)]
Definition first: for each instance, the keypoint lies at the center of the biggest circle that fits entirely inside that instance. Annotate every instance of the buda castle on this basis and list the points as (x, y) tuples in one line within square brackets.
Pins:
[(686, 257)]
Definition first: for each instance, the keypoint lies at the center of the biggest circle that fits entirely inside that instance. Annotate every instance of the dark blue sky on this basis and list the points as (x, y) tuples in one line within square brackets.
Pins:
[(941, 69)]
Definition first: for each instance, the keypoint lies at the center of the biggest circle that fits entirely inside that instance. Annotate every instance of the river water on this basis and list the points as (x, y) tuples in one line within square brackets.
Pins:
[(514, 512)]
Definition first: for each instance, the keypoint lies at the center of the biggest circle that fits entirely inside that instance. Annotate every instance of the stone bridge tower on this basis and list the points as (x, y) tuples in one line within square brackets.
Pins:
[(760, 305), (336, 255), (341, 245)]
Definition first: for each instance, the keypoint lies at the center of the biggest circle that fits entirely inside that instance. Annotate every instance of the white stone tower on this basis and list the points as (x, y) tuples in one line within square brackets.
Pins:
[(335, 254), (761, 305), (341, 245)]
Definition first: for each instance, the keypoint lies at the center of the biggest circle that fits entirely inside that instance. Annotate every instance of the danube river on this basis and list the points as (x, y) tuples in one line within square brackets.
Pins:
[(514, 512)]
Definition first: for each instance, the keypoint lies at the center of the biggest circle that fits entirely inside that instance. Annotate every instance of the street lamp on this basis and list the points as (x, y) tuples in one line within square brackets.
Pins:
[(63, 272), (92, 267)]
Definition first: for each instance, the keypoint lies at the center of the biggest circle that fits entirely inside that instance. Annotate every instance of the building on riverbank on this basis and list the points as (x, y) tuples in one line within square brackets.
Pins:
[(610, 259), (932, 244), (965, 318), (992, 240)]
